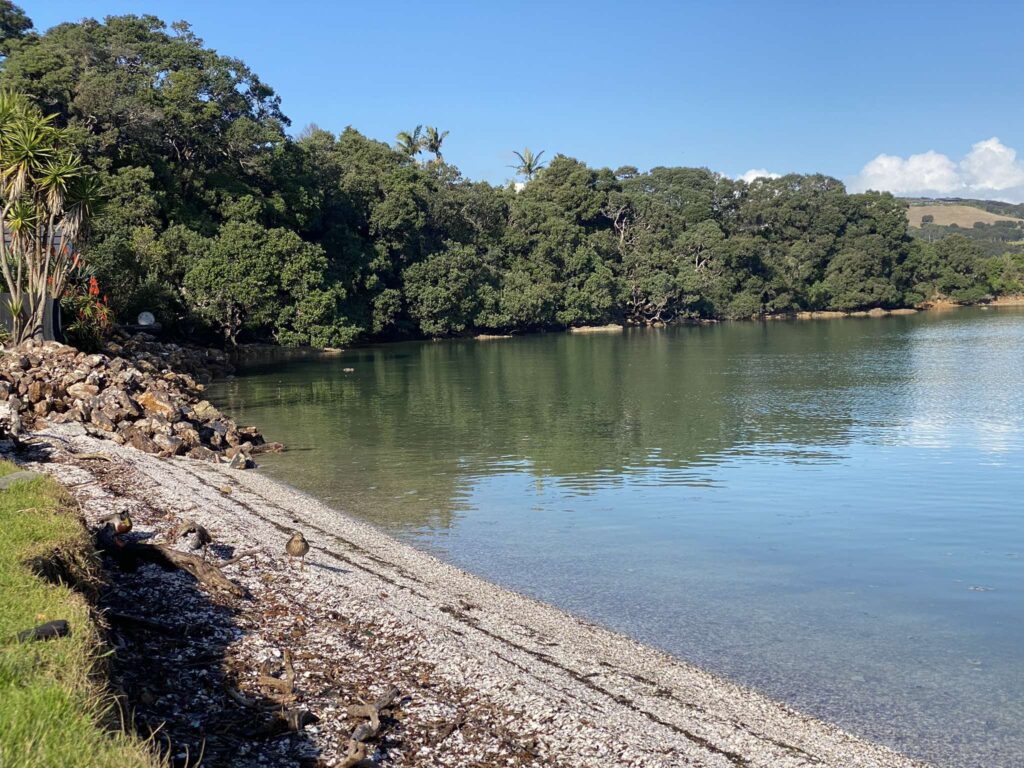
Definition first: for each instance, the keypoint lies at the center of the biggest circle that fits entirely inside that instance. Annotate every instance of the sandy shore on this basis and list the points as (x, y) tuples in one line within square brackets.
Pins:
[(489, 677)]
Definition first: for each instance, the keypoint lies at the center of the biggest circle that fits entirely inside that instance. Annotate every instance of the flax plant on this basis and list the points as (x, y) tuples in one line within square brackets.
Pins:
[(47, 196)]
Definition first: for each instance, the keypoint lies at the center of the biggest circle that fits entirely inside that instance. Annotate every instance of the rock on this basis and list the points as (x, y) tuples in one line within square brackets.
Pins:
[(245, 449), (101, 420), (267, 448), (188, 435), (204, 411), (83, 391), (204, 454), (157, 402), (138, 439), (142, 393), (126, 404), (169, 443), (240, 461), (251, 434)]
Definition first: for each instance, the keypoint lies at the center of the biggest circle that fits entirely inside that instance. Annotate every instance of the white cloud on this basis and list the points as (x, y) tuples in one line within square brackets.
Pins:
[(992, 165), (989, 170), (758, 173)]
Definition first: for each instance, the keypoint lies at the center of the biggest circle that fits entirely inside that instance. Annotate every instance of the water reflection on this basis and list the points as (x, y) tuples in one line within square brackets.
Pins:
[(805, 507)]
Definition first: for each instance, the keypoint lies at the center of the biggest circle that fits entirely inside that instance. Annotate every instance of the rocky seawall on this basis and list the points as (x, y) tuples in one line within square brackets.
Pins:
[(138, 392)]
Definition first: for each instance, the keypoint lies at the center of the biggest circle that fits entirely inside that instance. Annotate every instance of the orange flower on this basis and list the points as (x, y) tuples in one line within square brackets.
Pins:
[(94, 287)]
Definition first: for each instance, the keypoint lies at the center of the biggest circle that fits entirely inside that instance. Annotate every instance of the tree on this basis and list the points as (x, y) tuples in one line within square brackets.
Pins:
[(14, 25), (444, 290), (432, 142), (529, 164), (47, 197), (249, 278), (411, 144), (223, 224)]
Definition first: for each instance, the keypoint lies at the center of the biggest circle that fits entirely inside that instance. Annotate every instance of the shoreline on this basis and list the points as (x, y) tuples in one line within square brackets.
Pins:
[(566, 691), (260, 352)]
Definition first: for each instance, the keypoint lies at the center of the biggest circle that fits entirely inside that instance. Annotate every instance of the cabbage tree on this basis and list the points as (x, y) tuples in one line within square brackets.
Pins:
[(47, 196)]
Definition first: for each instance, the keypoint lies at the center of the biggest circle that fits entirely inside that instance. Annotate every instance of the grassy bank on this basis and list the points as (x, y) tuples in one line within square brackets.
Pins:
[(53, 710)]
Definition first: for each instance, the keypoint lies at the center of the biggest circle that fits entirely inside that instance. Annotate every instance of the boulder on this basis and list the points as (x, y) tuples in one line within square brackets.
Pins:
[(157, 402), (204, 411), (267, 448), (204, 454), (169, 443), (101, 420), (138, 439), (83, 391), (240, 461)]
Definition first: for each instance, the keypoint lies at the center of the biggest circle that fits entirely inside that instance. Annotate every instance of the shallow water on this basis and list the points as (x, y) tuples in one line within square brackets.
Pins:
[(829, 511)]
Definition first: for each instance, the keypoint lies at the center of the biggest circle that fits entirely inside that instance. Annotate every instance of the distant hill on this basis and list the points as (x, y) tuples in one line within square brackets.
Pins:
[(995, 226), (964, 215)]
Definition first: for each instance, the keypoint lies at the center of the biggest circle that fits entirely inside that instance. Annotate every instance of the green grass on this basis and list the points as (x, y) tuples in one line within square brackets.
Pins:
[(53, 708)]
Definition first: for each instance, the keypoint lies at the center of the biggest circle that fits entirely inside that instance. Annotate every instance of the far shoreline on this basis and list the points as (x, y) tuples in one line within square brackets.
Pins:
[(260, 351)]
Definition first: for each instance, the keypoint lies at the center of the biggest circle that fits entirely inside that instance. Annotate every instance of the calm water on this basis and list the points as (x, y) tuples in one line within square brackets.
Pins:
[(830, 511)]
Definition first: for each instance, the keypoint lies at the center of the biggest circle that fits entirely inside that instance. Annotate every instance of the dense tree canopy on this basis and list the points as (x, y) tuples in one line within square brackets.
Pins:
[(223, 224)]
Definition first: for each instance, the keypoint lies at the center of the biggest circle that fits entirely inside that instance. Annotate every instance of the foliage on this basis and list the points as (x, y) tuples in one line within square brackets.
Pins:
[(249, 277), (1006, 273), (47, 196), (432, 142), (223, 225), (411, 144), (14, 24), (529, 164), (91, 317)]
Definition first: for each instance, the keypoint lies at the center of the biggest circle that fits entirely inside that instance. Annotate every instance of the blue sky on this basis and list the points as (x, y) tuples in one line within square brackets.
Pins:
[(734, 86)]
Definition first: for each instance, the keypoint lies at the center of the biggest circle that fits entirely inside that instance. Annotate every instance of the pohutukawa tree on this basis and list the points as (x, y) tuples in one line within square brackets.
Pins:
[(47, 197)]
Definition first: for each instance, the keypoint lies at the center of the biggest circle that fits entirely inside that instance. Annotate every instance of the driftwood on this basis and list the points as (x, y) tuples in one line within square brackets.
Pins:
[(356, 754), (355, 757), (129, 554), (236, 558), (285, 683), (280, 721), (237, 697), (95, 456), (278, 718), (204, 573)]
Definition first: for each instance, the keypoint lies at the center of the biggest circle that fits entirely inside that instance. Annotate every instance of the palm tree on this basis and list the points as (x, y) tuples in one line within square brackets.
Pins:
[(411, 144), (529, 164), (47, 196), (432, 142)]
